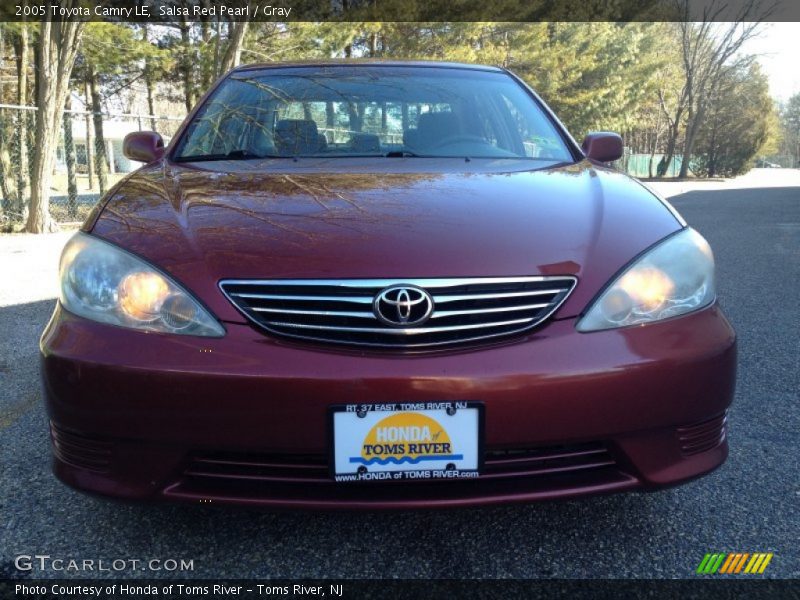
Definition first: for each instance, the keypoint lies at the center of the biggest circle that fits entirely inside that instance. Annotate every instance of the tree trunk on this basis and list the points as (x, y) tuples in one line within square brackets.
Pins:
[(329, 115), (330, 123), (653, 151), (5, 191), (233, 53), (672, 142), (692, 128), (100, 155), (151, 104), (5, 169), (186, 66), (59, 46), (69, 159), (149, 84), (21, 50), (89, 152), (373, 44), (206, 67), (218, 43), (687, 148), (356, 116), (32, 116)]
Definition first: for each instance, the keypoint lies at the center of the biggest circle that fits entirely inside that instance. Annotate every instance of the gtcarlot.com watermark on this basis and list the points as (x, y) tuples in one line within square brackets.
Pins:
[(44, 563)]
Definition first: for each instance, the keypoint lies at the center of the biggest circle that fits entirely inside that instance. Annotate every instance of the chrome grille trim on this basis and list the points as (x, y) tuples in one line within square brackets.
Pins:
[(403, 331), (454, 313), (384, 283), (492, 296), (359, 300), (333, 311), (324, 313)]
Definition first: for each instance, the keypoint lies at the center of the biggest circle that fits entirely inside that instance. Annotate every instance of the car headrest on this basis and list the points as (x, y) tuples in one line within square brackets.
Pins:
[(435, 126), (296, 136), (365, 142)]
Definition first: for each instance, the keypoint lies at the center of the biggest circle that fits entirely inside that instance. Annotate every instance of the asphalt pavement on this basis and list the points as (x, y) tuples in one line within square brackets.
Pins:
[(750, 504)]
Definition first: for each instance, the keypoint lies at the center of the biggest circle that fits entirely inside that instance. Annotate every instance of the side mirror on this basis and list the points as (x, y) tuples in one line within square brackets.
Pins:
[(144, 146), (602, 146)]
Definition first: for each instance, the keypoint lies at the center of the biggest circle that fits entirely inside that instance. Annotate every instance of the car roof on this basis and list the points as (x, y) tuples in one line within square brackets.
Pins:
[(365, 62)]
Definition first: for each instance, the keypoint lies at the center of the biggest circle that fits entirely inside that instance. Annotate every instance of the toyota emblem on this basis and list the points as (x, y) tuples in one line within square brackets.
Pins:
[(403, 305)]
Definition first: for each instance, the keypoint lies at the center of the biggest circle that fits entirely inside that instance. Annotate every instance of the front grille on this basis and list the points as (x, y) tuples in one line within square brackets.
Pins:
[(80, 451), (343, 311), (703, 436)]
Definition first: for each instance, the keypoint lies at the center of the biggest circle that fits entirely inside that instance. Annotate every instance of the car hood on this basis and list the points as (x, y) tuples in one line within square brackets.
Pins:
[(382, 218)]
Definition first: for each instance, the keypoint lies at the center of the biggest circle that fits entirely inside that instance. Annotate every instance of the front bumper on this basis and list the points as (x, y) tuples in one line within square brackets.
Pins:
[(243, 418)]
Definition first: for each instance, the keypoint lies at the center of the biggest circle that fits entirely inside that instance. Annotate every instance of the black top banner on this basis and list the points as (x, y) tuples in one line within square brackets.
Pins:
[(177, 11)]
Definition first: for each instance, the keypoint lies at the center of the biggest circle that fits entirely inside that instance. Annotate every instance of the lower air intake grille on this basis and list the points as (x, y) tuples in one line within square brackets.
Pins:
[(304, 479), (703, 436), (80, 451), (411, 313), (547, 460), (313, 468)]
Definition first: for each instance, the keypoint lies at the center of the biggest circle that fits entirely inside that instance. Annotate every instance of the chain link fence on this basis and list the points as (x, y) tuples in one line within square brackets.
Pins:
[(648, 165), (88, 160)]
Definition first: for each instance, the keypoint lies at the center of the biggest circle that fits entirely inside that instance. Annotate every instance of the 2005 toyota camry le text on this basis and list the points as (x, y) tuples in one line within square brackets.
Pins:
[(383, 285)]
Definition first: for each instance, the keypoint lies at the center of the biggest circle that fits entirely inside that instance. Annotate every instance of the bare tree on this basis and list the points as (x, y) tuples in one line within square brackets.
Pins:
[(5, 191), (100, 154), (708, 48), (186, 64), (22, 52), (233, 53), (206, 66), (149, 82), (88, 144), (70, 159), (58, 47)]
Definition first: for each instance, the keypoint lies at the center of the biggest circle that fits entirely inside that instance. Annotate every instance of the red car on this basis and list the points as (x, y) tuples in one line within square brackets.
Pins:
[(383, 285)]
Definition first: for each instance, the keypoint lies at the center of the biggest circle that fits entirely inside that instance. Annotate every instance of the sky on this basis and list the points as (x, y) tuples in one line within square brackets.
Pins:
[(778, 50)]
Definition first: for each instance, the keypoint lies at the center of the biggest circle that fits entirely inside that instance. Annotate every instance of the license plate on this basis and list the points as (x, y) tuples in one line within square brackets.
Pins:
[(405, 441)]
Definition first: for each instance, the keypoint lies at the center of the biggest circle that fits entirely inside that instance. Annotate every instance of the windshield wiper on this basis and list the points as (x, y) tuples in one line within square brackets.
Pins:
[(232, 155)]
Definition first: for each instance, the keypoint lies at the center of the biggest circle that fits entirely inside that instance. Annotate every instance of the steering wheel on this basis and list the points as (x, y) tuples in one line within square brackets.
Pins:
[(460, 137)]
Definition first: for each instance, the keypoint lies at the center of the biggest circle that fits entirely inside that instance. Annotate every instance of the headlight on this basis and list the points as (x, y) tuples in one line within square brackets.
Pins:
[(104, 283), (675, 277)]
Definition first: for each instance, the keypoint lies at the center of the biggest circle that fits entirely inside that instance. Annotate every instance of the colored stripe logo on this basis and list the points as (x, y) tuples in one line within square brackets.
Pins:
[(734, 563)]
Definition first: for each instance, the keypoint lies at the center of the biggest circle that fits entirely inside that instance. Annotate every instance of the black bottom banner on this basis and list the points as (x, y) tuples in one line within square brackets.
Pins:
[(398, 589)]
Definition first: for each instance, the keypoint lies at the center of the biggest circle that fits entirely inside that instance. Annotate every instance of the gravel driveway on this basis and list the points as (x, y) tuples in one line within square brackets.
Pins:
[(750, 504)]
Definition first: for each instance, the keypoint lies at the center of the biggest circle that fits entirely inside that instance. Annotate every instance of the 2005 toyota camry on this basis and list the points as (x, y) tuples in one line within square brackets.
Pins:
[(357, 285)]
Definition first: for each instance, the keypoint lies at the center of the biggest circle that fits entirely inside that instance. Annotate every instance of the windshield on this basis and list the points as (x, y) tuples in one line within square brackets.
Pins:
[(371, 111)]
